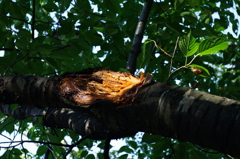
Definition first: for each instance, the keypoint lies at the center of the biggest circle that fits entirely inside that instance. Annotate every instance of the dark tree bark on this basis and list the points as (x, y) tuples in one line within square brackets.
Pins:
[(168, 110)]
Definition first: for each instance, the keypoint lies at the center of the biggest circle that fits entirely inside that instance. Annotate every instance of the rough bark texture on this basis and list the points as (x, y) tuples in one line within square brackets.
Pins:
[(180, 113), (168, 110), (30, 90), (193, 116)]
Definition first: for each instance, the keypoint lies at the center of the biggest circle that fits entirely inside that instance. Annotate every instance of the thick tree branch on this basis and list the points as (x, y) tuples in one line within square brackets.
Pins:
[(82, 123), (137, 40), (77, 120), (168, 110)]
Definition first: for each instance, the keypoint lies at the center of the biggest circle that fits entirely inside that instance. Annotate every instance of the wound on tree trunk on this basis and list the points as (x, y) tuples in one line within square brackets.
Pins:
[(89, 86)]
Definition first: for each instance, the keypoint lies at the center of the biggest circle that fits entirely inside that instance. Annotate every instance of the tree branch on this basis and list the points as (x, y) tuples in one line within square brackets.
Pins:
[(107, 147), (7, 49), (14, 18), (81, 123), (33, 17), (136, 46)]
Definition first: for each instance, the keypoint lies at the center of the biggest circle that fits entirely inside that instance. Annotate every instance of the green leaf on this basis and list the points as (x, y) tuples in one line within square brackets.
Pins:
[(84, 4), (21, 44), (8, 125), (31, 133), (125, 156), (194, 3), (101, 29), (25, 34), (65, 4), (133, 144), (90, 156), (13, 106), (193, 47), (52, 62), (144, 57), (179, 150), (18, 24), (184, 43), (125, 149), (10, 43), (188, 45), (83, 44), (41, 150), (84, 153), (45, 48), (196, 154), (16, 152), (214, 49), (179, 4), (87, 142), (112, 5), (149, 138)]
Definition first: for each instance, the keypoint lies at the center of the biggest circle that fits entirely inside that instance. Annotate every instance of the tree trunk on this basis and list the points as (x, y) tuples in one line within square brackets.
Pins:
[(168, 110)]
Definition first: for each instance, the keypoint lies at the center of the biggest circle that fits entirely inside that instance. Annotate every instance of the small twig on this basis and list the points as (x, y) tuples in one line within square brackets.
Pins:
[(31, 141), (161, 49), (23, 6), (14, 18), (39, 21), (33, 18), (185, 66), (200, 149), (77, 143), (6, 137), (14, 64), (64, 46), (170, 69), (7, 49)]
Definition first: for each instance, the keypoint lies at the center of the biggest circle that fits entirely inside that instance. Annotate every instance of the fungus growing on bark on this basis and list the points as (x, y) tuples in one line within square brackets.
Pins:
[(89, 86)]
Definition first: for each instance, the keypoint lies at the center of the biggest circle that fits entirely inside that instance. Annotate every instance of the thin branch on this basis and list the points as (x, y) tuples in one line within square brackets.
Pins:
[(39, 21), (64, 46), (136, 46), (6, 137), (30, 141), (7, 49), (77, 143), (14, 64), (14, 18), (23, 6), (201, 149), (170, 69), (33, 17), (161, 49), (185, 66)]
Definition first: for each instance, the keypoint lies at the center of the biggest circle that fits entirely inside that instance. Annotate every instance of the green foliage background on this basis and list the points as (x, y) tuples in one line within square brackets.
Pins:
[(48, 37)]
